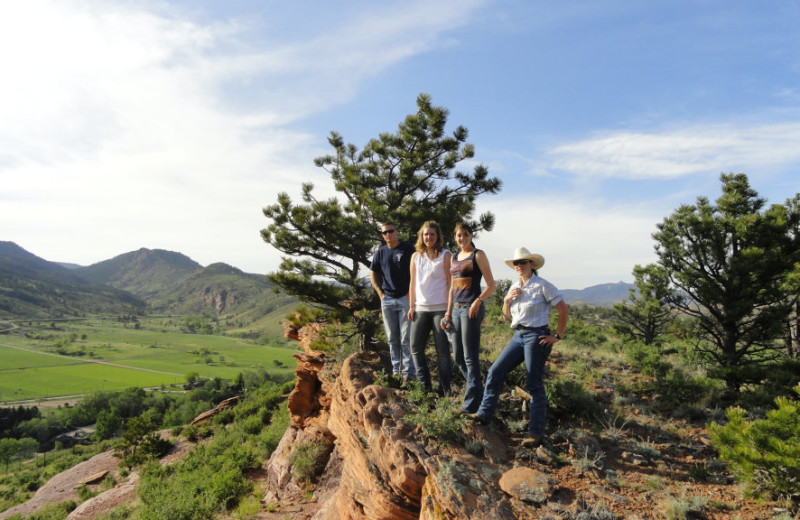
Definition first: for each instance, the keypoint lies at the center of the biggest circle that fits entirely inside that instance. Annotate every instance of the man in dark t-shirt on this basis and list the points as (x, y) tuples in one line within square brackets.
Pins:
[(390, 277)]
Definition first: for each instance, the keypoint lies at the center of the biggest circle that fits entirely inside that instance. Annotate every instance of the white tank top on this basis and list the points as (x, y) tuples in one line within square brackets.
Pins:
[(431, 282)]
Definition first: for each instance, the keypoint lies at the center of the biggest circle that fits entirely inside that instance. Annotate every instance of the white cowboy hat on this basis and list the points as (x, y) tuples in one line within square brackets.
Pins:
[(522, 253)]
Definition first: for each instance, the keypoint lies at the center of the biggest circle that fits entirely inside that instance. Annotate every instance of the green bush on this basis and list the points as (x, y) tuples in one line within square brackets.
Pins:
[(84, 493), (439, 418), (51, 512), (209, 480), (443, 423), (676, 390), (27, 480), (308, 459), (587, 335), (252, 425), (212, 479), (570, 399), (778, 381), (647, 358), (120, 513), (764, 453), (270, 436)]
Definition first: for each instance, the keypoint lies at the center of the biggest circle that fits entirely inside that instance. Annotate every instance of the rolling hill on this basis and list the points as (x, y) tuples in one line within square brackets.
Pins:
[(31, 287), (174, 283), (145, 273), (154, 281)]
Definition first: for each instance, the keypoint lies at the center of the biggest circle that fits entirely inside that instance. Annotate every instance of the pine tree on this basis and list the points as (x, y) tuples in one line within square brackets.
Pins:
[(764, 453), (646, 313), (731, 261), (406, 177)]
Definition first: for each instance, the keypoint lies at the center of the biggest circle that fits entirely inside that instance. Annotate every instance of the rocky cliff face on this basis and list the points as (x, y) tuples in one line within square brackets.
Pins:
[(376, 465), (219, 299)]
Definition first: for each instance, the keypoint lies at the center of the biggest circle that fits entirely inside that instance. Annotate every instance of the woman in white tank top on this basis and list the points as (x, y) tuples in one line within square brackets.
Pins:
[(427, 297)]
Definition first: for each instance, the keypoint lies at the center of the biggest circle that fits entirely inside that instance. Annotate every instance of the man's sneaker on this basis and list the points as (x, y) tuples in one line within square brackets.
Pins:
[(534, 441), (477, 418)]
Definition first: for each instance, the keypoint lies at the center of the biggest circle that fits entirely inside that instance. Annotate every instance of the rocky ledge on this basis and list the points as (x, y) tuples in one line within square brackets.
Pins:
[(372, 463)]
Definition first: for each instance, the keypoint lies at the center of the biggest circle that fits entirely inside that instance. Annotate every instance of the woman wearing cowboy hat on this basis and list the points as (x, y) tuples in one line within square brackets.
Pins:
[(527, 305)]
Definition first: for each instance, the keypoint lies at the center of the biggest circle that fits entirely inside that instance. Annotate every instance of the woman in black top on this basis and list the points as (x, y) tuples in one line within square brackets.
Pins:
[(465, 311)]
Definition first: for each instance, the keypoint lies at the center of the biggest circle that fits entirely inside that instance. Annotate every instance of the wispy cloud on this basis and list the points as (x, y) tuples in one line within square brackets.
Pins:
[(681, 152), (130, 124)]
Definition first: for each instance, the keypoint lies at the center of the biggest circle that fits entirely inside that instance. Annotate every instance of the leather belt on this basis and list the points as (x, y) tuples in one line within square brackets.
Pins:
[(523, 327)]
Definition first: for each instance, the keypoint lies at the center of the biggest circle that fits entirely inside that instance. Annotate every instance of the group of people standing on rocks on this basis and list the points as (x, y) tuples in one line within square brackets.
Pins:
[(426, 289)]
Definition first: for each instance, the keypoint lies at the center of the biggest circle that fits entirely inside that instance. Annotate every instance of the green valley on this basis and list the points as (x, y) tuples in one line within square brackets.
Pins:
[(148, 318), (50, 359)]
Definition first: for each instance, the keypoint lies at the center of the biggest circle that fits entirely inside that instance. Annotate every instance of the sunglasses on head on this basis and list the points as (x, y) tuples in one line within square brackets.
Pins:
[(521, 262), (387, 231)]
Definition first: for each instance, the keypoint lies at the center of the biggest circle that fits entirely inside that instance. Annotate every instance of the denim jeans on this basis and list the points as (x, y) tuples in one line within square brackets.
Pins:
[(421, 327), (523, 346), (395, 320), (466, 350)]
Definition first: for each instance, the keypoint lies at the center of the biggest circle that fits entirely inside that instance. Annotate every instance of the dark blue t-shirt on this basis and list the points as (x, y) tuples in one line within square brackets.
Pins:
[(394, 266)]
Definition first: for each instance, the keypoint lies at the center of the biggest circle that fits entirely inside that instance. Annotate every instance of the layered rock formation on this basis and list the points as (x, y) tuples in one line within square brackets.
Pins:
[(219, 299), (378, 466)]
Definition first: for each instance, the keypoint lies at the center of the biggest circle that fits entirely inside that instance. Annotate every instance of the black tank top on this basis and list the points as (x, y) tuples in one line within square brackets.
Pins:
[(466, 278)]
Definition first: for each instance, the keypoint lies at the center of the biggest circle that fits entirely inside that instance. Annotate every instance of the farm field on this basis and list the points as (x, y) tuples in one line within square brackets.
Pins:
[(46, 360)]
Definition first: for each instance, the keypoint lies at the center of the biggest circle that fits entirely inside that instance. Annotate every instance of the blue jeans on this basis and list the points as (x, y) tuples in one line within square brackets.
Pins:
[(466, 350), (395, 321), (421, 327), (523, 346)]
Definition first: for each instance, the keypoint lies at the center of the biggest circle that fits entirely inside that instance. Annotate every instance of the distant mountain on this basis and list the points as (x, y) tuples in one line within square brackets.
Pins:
[(145, 273), (19, 262), (35, 288), (603, 295), (223, 291), (155, 280), (174, 283), (69, 265)]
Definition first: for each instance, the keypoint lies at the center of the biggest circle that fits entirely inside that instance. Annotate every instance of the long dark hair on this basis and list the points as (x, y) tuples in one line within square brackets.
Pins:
[(463, 226)]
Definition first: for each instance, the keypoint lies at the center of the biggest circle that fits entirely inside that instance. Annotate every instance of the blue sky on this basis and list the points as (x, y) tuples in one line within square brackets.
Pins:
[(129, 124)]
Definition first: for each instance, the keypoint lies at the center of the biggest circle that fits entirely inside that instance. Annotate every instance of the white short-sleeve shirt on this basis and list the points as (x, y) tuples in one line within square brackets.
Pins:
[(532, 307)]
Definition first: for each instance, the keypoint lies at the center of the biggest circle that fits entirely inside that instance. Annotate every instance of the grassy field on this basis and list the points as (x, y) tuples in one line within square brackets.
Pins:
[(40, 360)]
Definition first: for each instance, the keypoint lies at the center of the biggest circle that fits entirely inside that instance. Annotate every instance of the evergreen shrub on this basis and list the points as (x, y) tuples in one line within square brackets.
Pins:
[(570, 399), (764, 453)]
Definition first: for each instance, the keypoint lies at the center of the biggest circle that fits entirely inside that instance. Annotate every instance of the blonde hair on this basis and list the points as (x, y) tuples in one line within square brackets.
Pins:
[(437, 247)]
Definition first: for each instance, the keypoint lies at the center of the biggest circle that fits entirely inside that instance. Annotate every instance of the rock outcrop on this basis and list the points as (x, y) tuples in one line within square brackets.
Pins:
[(224, 405), (356, 450), (378, 466), (219, 299)]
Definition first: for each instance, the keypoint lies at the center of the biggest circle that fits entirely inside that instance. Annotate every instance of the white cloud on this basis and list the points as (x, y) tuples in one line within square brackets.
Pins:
[(681, 152), (128, 126), (584, 242)]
